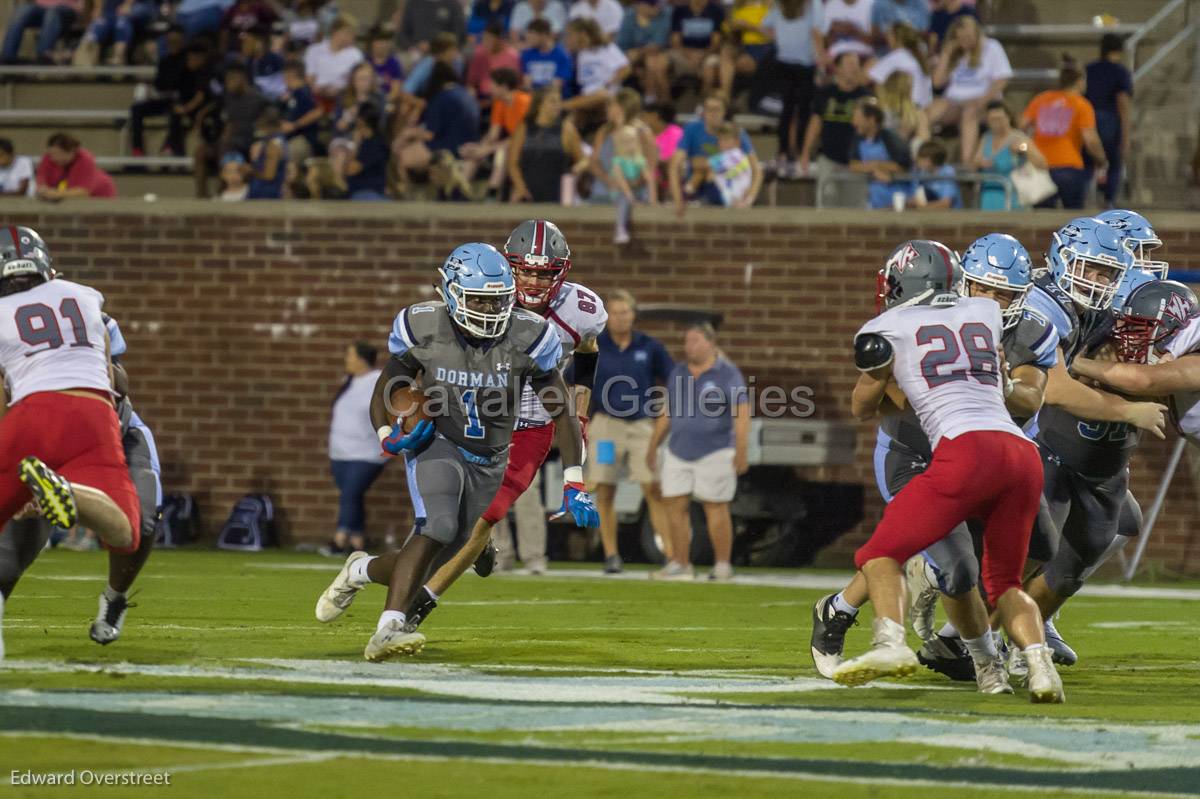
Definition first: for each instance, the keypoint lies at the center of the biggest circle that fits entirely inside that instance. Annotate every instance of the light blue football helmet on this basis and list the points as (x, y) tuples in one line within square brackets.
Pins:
[(1083, 245), (1139, 237), (478, 289), (998, 261), (1134, 278)]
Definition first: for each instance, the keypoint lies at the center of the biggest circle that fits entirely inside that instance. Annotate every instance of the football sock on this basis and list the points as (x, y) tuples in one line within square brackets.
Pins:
[(1032, 648), (432, 595), (948, 631), (358, 572), (110, 594), (842, 605), (387, 616), (982, 648)]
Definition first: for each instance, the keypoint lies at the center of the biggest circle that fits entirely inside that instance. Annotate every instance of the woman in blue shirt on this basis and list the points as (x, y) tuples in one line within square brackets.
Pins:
[(1002, 149)]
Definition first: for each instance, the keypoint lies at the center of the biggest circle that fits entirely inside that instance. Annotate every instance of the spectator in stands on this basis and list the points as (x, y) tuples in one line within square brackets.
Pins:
[(906, 53), (607, 14), (1063, 123), (644, 37), (545, 149), (363, 88), (422, 20), (744, 47), (696, 41), (667, 135), (355, 461), (169, 75), (623, 111), (268, 157), (630, 366), (728, 169), (699, 142), (451, 119), (936, 185), (16, 172), (848, 21), (443, 49), (302, 115), (264, 65), (493, 52), (600, 66), (1003, 148), (366, 172), (241, 17), (69, 170), (526, 11), (545, 62), (233, 178), (830, 129), (1110, 91), (115, 22), (53, 17), (509, 107), (302, 23), (879, 154), (974, 70), (328, 62), (383, 58), (944, 14), (900, 113), (240, 106), (707, 431), (201, 17), (886, 13), (795, 28), (486, 13)]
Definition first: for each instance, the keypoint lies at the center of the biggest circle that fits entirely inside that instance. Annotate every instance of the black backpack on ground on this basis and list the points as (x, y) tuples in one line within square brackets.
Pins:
[(250, 527), (178, 521)]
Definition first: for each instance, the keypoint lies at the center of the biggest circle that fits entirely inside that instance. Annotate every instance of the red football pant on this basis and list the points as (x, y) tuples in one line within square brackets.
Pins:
[(987, 475), (78, 437), (527, 454)]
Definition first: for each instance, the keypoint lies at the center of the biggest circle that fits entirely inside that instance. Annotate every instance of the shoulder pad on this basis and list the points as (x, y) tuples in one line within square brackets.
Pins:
[(871, 351), (417, 325)]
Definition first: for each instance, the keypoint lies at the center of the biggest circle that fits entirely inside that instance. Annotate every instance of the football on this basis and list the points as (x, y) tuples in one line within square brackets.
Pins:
[(409, 405)]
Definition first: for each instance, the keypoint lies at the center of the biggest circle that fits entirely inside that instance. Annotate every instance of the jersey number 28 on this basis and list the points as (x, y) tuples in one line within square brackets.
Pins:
[(37, 324), (975, 338)]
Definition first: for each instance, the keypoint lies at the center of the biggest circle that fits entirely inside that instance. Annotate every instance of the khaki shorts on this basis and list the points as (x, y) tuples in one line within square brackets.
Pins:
[(709, 479), (630, 439)]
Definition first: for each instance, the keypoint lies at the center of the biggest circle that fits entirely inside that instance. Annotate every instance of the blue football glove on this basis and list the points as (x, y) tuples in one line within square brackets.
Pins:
[(580, 505), (399, 442)]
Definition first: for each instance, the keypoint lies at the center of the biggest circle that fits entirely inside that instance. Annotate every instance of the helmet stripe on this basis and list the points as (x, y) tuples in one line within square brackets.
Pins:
[(16, 237), (539, 238)]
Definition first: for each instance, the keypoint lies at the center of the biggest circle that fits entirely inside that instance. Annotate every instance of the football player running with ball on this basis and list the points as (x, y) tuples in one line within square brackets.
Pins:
[(472, 354), (939, 352)]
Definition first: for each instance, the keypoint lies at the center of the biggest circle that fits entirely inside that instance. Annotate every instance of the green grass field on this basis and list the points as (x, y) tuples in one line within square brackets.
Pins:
[(567, 684)]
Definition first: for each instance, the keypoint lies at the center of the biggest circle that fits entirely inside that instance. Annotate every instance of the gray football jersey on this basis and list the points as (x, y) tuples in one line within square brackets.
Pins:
[(1096, 450), (473, 387)]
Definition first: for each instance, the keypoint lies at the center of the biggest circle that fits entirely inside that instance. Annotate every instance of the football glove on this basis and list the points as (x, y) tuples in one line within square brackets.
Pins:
[(398, 441), (579, 503)]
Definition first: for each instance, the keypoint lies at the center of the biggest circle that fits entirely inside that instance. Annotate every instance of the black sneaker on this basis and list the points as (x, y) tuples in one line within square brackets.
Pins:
[(613, 564), (948, 656), (110, 620), (485, 564), (829, 635)]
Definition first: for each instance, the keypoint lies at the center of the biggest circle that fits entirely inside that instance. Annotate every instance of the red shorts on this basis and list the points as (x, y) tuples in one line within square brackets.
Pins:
[(78, 437), (991, 476), (529, 450)]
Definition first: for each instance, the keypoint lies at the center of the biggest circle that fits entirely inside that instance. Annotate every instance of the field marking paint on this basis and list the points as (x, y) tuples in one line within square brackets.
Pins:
[(1134, 625)]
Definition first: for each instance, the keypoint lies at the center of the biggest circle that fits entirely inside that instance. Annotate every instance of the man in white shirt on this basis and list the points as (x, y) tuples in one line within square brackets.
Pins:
[(16, 172), (329, 62), (608, 13), (355, 458)]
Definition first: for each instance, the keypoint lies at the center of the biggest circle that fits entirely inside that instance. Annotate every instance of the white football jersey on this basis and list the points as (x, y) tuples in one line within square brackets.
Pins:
[(52, 338), (946, 363), (577, 315), (1185, 405)]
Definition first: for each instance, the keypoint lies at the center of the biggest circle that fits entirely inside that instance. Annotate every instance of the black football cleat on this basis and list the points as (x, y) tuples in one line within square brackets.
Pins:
[(828, 635), (485, 564), (948, 656)]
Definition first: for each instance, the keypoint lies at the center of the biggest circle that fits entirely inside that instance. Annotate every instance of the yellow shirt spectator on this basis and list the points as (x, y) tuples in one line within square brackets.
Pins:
[(751, 13)]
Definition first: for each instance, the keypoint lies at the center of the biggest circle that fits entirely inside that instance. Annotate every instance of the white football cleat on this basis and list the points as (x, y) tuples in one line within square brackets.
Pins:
[(673, 572), (889, 656), (392, 640), (1018, 668), (923, 595), (110, 620), (1045, 686), (991, 677), (340, 593)]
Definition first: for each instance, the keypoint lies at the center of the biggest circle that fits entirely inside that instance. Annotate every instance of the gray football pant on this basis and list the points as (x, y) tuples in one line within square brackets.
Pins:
[(449, 492)]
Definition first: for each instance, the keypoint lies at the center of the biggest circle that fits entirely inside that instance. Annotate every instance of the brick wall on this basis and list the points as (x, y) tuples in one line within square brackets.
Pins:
[(237, 319)]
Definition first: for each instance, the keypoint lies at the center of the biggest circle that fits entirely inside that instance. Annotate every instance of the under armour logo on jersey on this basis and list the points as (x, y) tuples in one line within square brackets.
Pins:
[(903, 259)]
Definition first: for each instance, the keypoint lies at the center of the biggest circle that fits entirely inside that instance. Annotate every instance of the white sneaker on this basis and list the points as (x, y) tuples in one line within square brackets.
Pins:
[(889, 656), (110, 620), (340, 593), (536, 566), (922, 596), (1018, 669), (673, 572), (991, 677), (393, 640), (721, 572), (1045, 686)]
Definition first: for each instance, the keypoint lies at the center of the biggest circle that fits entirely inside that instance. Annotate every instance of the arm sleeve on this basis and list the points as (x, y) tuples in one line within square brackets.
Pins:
[(585, 368)]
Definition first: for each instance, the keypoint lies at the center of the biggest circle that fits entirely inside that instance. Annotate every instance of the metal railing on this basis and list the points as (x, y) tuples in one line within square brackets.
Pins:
[(1148, 27), (977, 179)]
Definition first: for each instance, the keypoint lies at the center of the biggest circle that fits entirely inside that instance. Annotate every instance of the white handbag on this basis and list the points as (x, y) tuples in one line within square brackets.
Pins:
[(1032, 184)]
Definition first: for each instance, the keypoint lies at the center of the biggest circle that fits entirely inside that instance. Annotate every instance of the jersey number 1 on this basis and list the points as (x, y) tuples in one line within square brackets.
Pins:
[(37, 324), (473, 428), (975, 338)]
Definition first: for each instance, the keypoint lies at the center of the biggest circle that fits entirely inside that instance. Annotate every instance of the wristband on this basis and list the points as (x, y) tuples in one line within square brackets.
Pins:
[(383, 432), (573, 474)]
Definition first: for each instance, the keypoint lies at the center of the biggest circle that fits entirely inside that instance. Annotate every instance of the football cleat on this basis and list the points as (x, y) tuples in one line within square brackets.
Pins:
[(722, 572), (393, 640), (828, 635), (991, 677), (340, 594), (1014, 661), (1045, 686), (947, 656), (922, 596), (673, 572), (613, 564), (110, 620), (419, 609), (889, 656), (1062, 653), (485, 564), (51, 492)]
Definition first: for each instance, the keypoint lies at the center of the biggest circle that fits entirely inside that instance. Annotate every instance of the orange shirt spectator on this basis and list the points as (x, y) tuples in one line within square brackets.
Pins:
[(508, 114), (1059, 119), (69, 170)]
